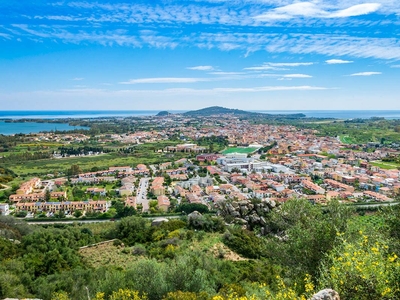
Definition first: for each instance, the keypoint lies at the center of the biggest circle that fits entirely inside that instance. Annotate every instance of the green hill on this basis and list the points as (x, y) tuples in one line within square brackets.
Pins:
[(218, 110)]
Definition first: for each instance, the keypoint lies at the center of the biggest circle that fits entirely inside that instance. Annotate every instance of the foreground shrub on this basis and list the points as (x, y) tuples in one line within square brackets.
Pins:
[(363, 269)]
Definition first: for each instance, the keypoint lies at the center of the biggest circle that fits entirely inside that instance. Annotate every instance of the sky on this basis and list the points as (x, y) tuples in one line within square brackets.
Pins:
[(190, 54)]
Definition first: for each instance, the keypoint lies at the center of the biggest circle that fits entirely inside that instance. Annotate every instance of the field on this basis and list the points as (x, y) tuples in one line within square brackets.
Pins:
[(345, 139), (385, 165), (246, 150), (144, 154)]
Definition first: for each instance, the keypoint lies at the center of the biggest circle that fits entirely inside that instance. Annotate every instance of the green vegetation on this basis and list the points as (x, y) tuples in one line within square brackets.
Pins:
[(218, 110), (385, 165), (357, 131), (305, 249), (246, 150), (345, 139), (146, 154)]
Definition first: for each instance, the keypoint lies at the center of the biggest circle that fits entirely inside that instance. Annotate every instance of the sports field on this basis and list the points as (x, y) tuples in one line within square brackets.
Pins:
[(246, 150)]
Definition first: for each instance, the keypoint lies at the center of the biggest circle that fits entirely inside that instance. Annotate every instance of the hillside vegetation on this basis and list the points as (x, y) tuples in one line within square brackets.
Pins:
[(306, 249)]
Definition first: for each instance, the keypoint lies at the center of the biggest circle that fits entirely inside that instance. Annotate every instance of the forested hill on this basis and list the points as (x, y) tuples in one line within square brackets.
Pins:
[(218, 110)]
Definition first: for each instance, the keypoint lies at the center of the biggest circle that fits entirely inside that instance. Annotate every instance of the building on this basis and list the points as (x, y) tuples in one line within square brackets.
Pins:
[(163, 202), (4, 209), (70, 206)]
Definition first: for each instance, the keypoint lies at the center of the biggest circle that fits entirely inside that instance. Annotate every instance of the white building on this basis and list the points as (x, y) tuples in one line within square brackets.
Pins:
[(4, 209)]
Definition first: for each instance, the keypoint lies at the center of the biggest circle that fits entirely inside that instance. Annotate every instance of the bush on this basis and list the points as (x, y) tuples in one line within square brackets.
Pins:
[(361, 270), (139, 250), (244, 242)]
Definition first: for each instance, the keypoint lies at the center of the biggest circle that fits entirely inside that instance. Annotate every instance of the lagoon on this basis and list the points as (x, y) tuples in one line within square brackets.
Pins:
[(31, 127)]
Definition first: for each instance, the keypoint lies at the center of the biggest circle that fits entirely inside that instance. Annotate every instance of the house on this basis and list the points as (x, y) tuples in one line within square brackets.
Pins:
[(163, 202), (97, 191), (130, 201), (313, 187)]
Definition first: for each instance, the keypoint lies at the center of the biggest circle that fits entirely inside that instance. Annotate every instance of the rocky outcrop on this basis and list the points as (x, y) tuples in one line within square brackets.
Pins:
[(195, 218), (158, 221), (246, 212), (327, 294)]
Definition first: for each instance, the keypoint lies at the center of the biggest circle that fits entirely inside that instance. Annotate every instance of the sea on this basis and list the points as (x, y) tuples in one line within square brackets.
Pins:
[(33, 127)]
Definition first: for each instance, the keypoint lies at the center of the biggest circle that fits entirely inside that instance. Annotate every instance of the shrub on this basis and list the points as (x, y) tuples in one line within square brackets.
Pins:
[(363, 269)]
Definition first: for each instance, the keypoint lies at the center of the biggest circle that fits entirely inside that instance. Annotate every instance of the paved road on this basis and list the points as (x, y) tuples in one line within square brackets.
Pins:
[(141, 195), (93, 221)]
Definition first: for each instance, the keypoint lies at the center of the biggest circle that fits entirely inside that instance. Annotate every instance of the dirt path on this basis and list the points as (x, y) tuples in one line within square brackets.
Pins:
[(6, 187)]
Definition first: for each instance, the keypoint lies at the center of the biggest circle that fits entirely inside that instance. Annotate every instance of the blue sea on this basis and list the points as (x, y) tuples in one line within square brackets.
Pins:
[(32, 127), (85, 114)]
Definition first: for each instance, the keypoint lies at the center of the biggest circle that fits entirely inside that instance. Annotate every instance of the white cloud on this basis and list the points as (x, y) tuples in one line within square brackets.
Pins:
[(296, 64), (201, 68), (395, 66), (5, 35), (316, 10), (335, 44), (356, 10), (270, 89), (263, 68), (165, 80), (227, 73), (296, 76), (338, 61), (77, 78), (366, 74)]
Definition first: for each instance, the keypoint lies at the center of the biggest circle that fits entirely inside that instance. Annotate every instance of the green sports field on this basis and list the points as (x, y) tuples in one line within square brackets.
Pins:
[(246, 150)]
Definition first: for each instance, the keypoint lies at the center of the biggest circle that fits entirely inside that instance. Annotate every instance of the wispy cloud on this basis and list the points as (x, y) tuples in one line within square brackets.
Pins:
[(5, 35), (395, 66), (227, 73), (338, 61), (278, 66), (296, 76), (165, 80), (365, 74), (263, 68), (271, 89), (201, 68), (295, 64), (323, 44), (356, 10), (316, 10), (77, 78)]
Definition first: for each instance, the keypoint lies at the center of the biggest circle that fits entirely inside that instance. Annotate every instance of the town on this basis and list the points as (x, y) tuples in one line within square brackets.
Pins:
[(235, 160)]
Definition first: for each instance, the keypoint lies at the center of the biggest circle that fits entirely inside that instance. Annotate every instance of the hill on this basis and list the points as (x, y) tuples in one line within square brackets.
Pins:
[(218, 110), (163, 113)]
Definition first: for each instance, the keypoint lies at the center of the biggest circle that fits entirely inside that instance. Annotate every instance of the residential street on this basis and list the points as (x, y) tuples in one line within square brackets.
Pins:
[(141, 196)]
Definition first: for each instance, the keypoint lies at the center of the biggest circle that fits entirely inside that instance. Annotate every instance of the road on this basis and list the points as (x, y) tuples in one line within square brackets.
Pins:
[(93, 221), (141, 195)]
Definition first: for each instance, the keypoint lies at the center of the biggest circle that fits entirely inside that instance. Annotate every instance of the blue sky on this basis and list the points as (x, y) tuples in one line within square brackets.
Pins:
[(180, 55)]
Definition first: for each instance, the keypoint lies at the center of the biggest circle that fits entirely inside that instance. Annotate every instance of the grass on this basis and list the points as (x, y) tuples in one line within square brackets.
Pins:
[(345, 139), (246, 150), (108, 254), (103, 161), (385, 165)]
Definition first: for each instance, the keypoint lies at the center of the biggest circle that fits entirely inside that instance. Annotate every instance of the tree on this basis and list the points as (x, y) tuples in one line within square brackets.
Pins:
[(122, 210), (74, 170), (47, 196), (306, 232), (133, 230), (77, 213)]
